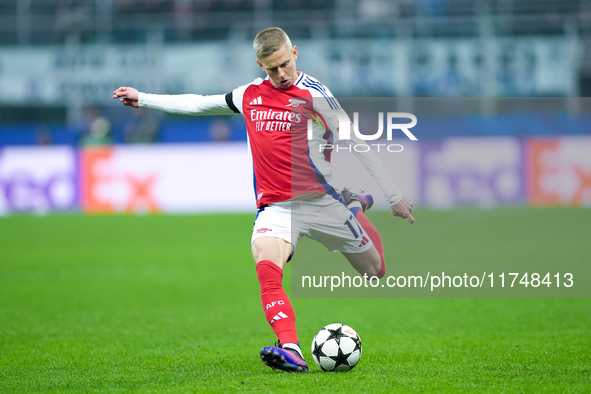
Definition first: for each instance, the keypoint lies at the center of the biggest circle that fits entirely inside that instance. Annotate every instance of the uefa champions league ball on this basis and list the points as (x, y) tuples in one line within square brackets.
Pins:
[(337, 347)]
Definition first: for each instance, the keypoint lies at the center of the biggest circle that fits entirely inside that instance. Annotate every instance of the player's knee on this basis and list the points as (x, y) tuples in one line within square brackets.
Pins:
[(381, 272), (378, 273), (375, 269), (367, 263)]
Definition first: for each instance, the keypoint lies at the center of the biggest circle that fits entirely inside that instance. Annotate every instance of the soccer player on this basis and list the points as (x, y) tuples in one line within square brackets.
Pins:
[(292, 178)]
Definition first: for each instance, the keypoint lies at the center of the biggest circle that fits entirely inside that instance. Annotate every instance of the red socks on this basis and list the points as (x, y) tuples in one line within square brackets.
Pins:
[(375, 237), (278, 309)]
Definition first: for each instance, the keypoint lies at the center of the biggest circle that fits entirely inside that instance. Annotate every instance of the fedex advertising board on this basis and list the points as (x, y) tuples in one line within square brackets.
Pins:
[(166, 178), (38, 180), (188, 178), (471, 171), (559, 171)]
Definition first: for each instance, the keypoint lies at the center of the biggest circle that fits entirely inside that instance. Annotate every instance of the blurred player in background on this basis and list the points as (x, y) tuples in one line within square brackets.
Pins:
[(292, 179)]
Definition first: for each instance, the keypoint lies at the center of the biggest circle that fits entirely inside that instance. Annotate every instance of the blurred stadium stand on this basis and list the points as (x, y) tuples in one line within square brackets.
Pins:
[(48, 22), (70, 26)]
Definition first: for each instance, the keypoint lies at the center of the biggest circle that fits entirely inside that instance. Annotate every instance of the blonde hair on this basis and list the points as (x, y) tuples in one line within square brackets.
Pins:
[(269, 40)]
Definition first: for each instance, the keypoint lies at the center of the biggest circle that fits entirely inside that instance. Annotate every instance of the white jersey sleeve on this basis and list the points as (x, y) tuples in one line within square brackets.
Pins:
[(376, 169), (332, 112), (195, 104), (186, 104)]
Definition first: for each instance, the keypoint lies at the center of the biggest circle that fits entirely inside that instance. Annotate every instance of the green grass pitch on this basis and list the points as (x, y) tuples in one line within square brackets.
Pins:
[(171, 304)]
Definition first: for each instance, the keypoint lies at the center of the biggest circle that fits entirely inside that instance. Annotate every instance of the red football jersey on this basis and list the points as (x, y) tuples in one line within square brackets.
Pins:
[(277, 125), (290, 135)]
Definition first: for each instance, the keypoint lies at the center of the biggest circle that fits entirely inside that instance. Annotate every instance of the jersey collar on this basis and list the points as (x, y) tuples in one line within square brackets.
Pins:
[(299, 78)]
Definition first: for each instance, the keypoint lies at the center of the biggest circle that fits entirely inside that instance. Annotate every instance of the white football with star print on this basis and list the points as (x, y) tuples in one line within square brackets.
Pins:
[(337, 347)]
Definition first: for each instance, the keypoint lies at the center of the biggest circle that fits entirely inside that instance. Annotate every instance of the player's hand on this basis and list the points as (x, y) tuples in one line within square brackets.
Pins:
[(403, 209), (128, 96)]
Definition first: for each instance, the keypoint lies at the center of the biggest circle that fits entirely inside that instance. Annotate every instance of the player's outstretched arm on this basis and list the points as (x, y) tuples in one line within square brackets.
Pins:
[(128, 96), (183, 104), (403, 209)]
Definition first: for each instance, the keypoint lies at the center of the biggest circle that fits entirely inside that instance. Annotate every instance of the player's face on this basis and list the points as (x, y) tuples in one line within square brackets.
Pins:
[(280, 67)]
